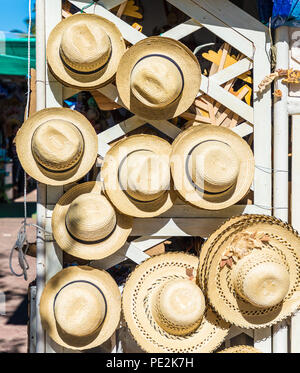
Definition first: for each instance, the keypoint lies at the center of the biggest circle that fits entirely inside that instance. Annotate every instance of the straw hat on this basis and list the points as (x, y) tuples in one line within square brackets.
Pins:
[(136, 174), (250, 270), (241, 349), (212, 167), (85, 224), (84, 50), (57, 146), (165, 310), (80, 307), (158, 78)]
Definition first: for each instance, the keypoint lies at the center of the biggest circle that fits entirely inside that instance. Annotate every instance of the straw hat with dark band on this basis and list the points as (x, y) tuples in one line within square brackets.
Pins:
[(86, 225), (136, 174), (57, 146), (80, 307), (84, 50), (241, 349), (165, 310), (158, 78), (212, 167), (250, 270)]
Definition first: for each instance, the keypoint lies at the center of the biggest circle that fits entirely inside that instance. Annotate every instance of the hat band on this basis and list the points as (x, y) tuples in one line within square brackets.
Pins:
[(91, 242)]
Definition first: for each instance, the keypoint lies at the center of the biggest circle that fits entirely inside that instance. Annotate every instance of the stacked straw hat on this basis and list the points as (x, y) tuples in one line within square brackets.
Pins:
[(80, 307), (57, 146), (84, 51), (136, 174), (86, 225), (212, 167), (158, 78), (166, 311), (250, 270)]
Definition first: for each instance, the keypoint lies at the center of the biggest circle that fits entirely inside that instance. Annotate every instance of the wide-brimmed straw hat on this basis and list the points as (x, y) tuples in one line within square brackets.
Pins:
[(158, 78), (57, 146), (86, 225), (241, 349), (165, 310), (80, 307), (212, 167), (250, 270), (136, 174), (84, 50)]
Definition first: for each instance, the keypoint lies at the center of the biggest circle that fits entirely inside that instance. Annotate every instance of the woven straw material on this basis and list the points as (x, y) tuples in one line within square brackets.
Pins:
[(209, 158), (57, 146), (136, 176), (149, 82), (84, 50), (218, 285), (242, 349), (137, 305), (85, 227), (85, 313)]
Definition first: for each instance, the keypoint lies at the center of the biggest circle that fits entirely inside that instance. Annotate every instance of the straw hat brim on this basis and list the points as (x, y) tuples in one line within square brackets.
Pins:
[(31, 166), (136, 300), (88, 251), (187, 62), (110, 174), (217, 283), (84, 81), (103, 281), (190, 138), (241, 349)]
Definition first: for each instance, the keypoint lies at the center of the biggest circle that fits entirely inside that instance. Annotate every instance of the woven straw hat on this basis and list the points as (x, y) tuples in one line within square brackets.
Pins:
[(80, 307), (85, 224), (57, 146), (84, 50), (158, 78), (165, 310), (136, 174), (241, 349), (212, 167), (250, 270)]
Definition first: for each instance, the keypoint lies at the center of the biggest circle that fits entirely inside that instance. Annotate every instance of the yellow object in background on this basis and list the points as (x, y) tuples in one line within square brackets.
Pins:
[(131, 10), (137, 26)]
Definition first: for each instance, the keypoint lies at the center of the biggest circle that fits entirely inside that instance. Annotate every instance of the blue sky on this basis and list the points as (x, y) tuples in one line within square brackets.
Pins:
[(13, 13)]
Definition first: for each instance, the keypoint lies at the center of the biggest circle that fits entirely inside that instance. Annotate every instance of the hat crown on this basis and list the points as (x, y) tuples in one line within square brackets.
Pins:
[(79, 309), (90, 217), (261, 278), (85, 46), (180, 306), (214, 166), (156, 81), (57, 145), (145, 175)]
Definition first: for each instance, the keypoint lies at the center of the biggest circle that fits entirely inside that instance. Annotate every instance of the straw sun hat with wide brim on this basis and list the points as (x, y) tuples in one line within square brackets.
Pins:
[(165, 310), (212, 167), (158, 78), (80, 307), (241, 349), (250, 271), (57, 146), (84, 50), (136, 174), (85, 224)]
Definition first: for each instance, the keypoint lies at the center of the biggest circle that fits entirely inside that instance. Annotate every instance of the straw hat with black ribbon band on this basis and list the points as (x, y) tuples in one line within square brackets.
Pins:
[(241, 349), (165, 310), (158, 78), (84, 51), (86, 225), (212, 167), (57, 146), (250, 271), (80, 307), (136, 174)]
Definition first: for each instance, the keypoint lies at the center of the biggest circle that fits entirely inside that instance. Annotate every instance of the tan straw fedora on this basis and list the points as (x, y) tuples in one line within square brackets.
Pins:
[(241, 349), (85, 224), (80, 307), (136, 174), (57, 146), (84, 50), (250, 271), (158, 78), (212, 167), (165, 310)]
